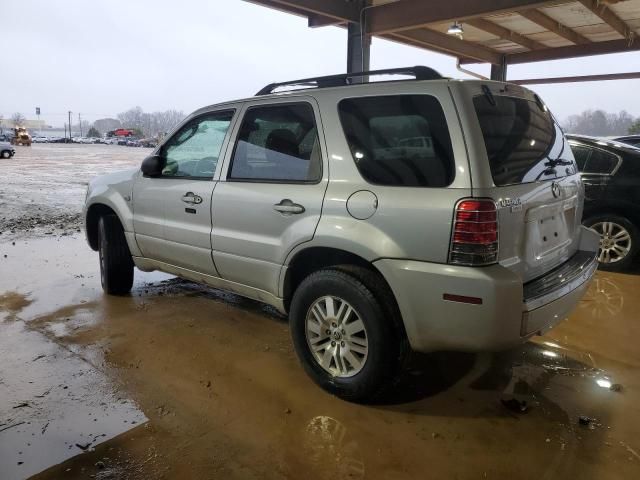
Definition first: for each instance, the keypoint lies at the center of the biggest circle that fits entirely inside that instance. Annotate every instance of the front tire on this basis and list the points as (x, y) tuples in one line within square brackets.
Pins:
[(619, 241), (346, 334), (116, 264), (6, 154)]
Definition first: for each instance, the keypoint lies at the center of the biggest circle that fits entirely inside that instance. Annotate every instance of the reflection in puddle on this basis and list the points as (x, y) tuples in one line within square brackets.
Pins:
[(328, 446), (53, 403), (604, 298)]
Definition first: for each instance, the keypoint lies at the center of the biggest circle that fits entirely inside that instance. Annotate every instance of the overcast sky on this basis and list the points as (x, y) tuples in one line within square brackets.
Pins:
[(102, 57)]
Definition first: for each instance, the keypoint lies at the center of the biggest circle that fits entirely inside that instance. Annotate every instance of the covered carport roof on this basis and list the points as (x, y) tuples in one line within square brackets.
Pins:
[(497, 32)]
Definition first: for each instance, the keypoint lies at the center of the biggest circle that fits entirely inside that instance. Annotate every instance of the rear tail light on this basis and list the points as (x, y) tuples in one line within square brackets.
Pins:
[(474, 238)]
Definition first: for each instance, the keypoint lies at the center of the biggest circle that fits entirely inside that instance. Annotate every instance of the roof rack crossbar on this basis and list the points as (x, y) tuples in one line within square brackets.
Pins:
[(418, 72)]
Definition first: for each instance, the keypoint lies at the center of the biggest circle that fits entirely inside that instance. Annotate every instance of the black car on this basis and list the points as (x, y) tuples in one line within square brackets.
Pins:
[(611, 175), (633, 140)]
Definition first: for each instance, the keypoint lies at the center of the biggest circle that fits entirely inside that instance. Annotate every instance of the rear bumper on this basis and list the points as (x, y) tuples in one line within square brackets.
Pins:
[(510, 312)]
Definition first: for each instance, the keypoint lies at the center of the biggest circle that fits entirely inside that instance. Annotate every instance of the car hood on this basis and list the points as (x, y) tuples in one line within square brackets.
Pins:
[(114, 178)]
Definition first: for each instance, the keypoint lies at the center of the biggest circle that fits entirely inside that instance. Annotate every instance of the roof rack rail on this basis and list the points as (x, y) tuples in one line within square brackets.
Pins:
[(341, 80)]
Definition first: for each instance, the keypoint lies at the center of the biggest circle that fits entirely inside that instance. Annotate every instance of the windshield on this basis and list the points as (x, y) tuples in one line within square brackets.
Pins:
[(524, 144)]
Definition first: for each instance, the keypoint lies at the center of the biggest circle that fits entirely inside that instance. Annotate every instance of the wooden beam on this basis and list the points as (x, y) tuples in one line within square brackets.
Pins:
[(505, 33), (316, 21), (412, 14), (608, 16), (449, 44), (558, 53), (579, 78), (415, 43), (336, 9), (554, 26)]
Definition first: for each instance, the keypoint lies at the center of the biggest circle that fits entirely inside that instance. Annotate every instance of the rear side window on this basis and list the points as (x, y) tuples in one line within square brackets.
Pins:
[(399, 140), (278, 143), (524, 144), (601, 162), (581, 155)]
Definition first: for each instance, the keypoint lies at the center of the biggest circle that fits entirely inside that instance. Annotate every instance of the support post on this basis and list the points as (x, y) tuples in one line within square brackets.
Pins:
[(499, 72), (358, 43)]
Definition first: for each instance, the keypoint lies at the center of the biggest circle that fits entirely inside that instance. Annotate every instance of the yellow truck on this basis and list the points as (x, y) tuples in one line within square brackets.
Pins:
[(21, 137)]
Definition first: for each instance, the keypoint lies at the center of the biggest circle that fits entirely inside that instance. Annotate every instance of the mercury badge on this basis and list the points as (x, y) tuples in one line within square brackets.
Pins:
[(555, 189), (514, 203)]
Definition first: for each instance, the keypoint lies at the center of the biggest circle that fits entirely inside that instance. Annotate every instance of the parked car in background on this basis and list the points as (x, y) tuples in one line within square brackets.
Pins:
[(6, 150), (633, 140), (40, 139), (611, 176), (149, 142), (473, 243)]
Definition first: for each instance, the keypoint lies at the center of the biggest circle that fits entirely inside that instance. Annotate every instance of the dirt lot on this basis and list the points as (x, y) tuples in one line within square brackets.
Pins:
[(179, 380), (43, 186)]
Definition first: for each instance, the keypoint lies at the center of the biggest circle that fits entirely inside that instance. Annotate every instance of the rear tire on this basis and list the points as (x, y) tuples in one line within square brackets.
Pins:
[(116, 264), (619, 241), (361, 360), (6, 154)]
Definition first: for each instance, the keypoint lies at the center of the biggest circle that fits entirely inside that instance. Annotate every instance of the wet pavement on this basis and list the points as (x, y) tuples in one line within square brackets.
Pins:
[(179, 380)]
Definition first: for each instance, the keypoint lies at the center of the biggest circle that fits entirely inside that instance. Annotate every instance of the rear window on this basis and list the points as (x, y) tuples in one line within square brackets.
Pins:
[(399, 140), (524, 144)]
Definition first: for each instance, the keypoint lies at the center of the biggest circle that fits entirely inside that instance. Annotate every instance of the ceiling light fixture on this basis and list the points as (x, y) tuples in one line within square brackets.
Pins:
[(455, 29)]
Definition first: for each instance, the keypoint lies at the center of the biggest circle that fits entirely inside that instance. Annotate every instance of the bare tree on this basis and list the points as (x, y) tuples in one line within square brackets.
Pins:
[(18, 119), (599, 123), (132, 118), (107, 124), (163, 122), (85, 126), (150, 124)]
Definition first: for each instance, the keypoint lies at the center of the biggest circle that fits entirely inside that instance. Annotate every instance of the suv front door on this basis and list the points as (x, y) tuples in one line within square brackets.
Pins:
[(271, 197), (172, 212)]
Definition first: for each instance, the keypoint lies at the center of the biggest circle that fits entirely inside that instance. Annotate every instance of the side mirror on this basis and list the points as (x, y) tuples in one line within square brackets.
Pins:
[(152, 166)]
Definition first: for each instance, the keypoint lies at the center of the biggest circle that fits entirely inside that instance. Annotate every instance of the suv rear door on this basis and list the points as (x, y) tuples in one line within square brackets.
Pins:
[(271, 195), (522, 160)]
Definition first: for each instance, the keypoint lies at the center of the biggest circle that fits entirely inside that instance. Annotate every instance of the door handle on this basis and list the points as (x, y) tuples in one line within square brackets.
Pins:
[(287, 207), (192, 198)]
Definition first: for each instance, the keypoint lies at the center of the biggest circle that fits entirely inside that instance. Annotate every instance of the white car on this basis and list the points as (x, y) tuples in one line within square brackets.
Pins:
[(6, 150)]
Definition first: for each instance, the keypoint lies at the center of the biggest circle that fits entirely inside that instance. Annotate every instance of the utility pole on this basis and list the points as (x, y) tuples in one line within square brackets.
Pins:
[(69, 126), (80, 123)]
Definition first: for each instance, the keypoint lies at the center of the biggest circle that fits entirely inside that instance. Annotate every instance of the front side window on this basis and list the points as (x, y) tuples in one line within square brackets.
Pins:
[(278, 143), (399, 140), (194, 150), (523, 142)]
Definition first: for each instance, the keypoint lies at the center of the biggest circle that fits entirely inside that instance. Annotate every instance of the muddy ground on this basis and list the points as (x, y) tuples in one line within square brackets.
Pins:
[(180, 381)]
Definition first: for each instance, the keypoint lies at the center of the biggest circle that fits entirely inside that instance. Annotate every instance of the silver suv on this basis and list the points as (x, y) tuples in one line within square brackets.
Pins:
[(424, 214)]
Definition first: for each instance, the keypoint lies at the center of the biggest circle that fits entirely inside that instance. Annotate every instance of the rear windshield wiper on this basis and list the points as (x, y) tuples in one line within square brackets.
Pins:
[(558, 161)]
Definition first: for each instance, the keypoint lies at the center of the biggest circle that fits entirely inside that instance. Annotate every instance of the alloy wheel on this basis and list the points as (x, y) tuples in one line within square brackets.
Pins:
[(615, 242), (336, 336)]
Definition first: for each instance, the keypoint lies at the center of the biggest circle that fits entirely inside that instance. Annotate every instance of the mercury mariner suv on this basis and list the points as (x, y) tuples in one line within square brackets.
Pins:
[(382, 217)]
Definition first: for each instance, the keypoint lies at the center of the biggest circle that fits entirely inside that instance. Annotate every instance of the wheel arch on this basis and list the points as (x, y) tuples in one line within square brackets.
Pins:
[(314, 258), (94, 213), (622, 210)]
